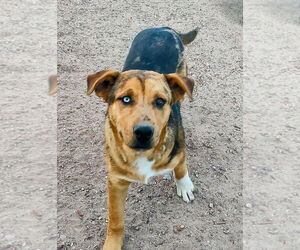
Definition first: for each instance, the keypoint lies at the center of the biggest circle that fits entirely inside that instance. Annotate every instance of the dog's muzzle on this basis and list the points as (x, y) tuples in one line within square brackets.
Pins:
[(143, 137)]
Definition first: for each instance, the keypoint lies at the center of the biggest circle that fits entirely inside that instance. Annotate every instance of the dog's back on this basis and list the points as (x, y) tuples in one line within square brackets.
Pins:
[(158, 49)]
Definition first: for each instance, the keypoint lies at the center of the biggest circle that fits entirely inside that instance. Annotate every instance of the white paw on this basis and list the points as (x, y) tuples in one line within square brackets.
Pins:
[(185, 188)]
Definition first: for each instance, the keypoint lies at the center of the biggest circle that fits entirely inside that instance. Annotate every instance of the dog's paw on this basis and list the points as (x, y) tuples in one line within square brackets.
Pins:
[(185, 188)]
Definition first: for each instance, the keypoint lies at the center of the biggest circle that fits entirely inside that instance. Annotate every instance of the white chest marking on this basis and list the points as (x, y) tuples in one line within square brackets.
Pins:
[(144, 167)]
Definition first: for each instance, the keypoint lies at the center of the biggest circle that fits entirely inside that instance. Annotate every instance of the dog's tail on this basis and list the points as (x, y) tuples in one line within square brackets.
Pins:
[(187, 38)]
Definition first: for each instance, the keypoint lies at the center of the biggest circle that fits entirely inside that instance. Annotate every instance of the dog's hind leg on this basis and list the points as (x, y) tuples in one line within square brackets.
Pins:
[(117, 192), (184, 184), (182, 68)]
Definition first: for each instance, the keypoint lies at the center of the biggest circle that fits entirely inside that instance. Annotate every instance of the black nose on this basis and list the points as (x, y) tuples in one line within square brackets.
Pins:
[(143, 133)]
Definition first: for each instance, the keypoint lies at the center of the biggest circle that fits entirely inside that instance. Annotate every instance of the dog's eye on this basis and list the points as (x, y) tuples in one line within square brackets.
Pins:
[(159, 102), (126, 99)]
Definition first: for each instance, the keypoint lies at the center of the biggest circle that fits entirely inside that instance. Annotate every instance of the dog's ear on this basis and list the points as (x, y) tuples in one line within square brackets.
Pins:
[(52, 80), (102, 83), (180, 85)]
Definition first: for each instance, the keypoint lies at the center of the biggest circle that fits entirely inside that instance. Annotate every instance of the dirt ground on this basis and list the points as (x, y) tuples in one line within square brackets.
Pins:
[(241, 128), (28, 125), (271, 125)]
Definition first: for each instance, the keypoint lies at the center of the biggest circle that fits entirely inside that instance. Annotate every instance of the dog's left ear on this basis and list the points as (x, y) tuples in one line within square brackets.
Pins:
[(102, 83), (180, 85), (52, 80)]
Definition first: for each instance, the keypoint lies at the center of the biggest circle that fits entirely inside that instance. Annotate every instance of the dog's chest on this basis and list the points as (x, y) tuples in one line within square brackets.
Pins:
[(144, 168)]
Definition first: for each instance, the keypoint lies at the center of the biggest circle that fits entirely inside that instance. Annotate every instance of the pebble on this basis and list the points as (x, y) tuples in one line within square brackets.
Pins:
[(63, 237), (79, 213), (177, 229), (211, 205), (9, 236), (273, 231), (248, 205)]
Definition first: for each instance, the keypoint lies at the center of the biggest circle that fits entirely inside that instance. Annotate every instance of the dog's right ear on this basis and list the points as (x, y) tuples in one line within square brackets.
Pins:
[(102, 83)]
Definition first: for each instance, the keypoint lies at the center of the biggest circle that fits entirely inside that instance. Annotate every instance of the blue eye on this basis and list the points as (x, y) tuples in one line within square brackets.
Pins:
[(126, 99)]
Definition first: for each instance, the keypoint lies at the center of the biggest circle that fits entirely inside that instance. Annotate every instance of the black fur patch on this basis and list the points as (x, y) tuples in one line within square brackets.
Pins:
[(175, 123), (155, 49)]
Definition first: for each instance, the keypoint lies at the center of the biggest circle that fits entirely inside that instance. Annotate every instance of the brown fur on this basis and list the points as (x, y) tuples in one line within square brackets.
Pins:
[(143, 87), (52, 81)]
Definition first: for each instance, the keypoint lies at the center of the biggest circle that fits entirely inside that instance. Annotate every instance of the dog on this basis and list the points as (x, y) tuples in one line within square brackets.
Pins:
[(144, 136)]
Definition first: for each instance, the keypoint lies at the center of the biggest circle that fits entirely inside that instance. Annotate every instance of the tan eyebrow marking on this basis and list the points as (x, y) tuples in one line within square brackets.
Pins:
[(129, 92)]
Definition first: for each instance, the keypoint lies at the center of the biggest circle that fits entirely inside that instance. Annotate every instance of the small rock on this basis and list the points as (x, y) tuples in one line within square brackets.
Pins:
[(9, 236), (177, 229), (273, 231), (159, 243), (63, 237), (79, 213), (211, 205), (36, 213), (248, 205)]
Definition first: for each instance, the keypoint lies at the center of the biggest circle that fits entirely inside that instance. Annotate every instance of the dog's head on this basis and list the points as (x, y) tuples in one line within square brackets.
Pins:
[(139, 103)]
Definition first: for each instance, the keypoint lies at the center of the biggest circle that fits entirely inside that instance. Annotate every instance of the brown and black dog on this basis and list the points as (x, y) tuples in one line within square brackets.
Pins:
[(144, 136)]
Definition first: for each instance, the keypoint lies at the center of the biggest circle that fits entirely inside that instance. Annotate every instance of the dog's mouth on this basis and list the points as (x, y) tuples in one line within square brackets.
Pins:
[(141, 146)]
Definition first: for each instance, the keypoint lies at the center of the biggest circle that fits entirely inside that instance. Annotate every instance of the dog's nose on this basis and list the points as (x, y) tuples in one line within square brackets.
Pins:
[(143, 133)]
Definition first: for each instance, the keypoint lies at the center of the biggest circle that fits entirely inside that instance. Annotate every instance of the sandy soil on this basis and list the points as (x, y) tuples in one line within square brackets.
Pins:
[(271, 125), (92, 37), (28, 125)]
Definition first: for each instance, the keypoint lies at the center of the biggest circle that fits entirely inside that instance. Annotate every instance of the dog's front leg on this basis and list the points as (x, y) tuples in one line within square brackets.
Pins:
[(184, 184), (117, 192)]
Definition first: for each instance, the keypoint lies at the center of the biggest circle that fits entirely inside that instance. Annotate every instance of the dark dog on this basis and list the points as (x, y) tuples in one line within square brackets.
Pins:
[(143, 129)]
